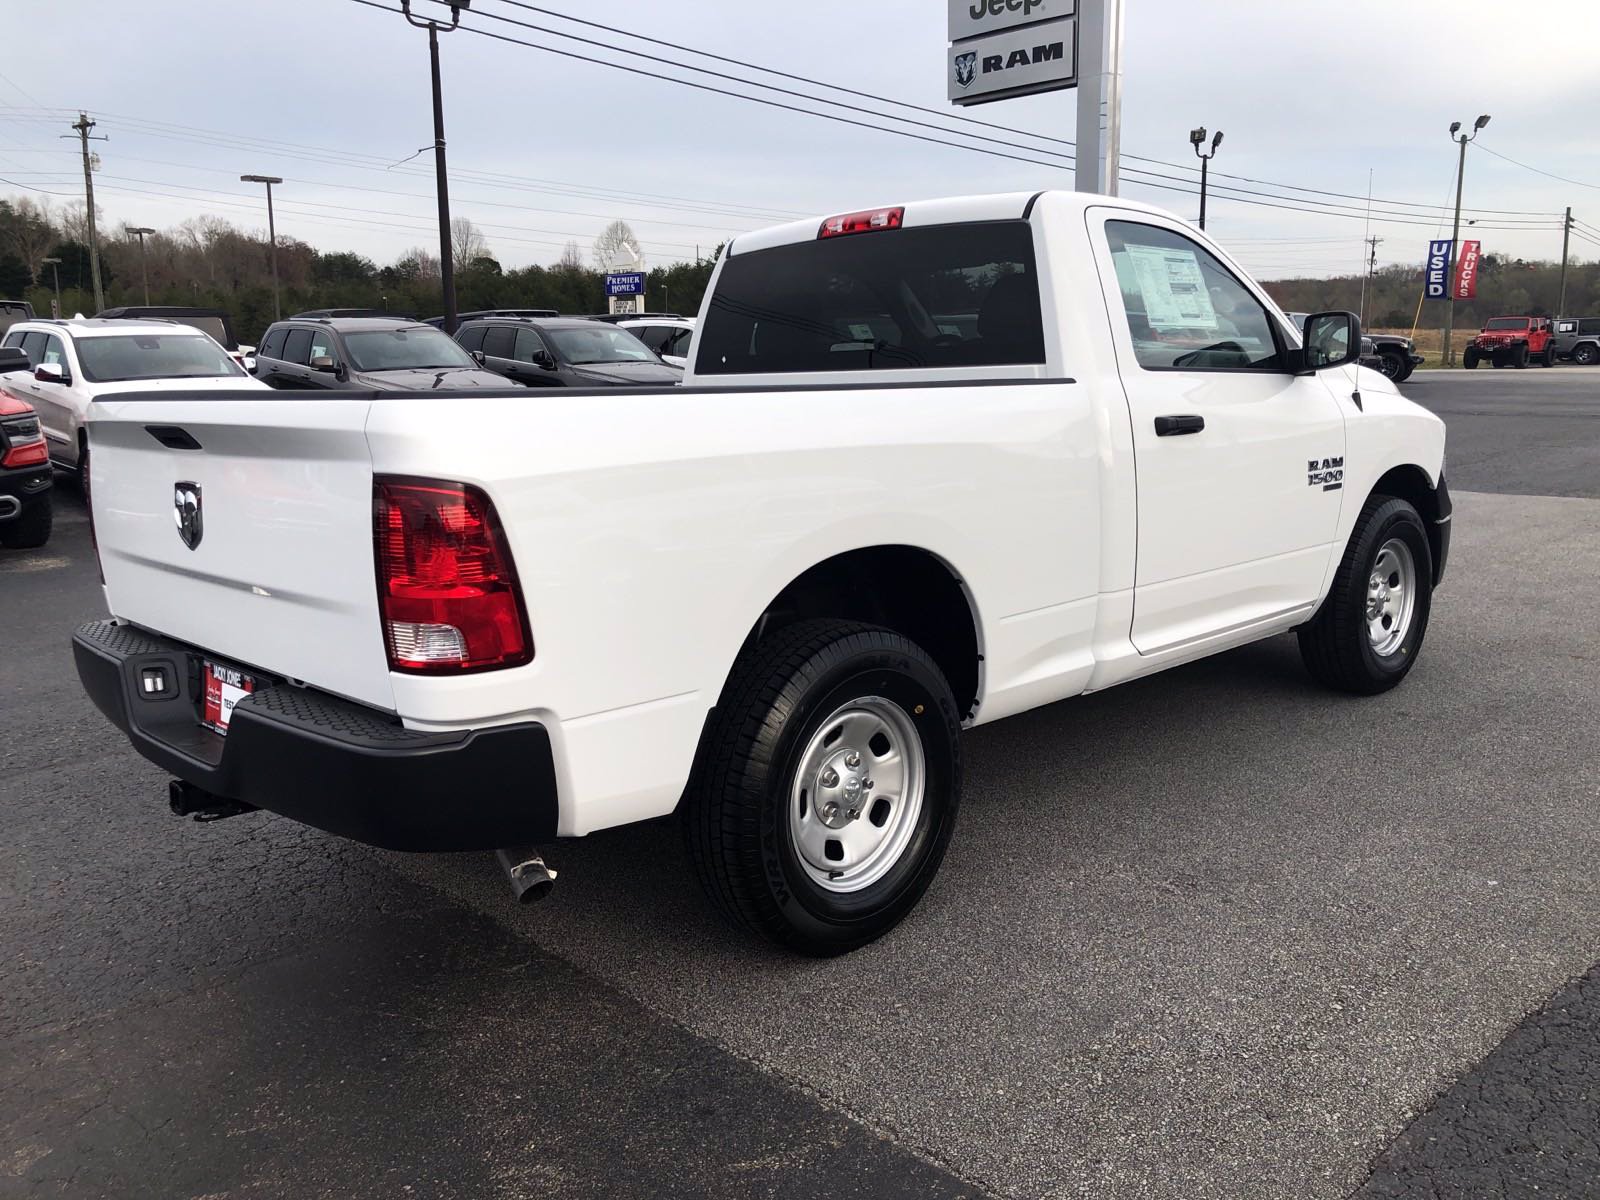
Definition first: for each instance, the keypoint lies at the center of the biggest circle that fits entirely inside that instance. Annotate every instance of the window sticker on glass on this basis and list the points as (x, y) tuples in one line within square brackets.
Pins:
[(1173, 288)]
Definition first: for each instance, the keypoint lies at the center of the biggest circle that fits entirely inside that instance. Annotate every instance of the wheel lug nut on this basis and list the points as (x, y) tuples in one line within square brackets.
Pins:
[(830, 810), (830, 778), (852, 759)]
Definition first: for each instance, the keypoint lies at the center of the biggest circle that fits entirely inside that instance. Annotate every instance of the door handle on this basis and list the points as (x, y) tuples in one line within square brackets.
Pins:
[(1174, 426)]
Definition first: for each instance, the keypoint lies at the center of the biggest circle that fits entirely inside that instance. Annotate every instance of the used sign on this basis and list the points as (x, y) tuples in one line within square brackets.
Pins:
[(1019, 62), (974, 18), (1434, 274)]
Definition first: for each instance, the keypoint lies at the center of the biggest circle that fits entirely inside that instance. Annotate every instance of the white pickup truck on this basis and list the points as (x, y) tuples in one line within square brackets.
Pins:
[(932, 465)]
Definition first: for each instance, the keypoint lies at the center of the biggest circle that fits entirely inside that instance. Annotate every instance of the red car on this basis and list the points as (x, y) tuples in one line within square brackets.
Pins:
[(1513, 342), (25, 478)]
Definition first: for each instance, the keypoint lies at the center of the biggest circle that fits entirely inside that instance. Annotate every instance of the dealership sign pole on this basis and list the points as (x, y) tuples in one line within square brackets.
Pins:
[(1001, 49)]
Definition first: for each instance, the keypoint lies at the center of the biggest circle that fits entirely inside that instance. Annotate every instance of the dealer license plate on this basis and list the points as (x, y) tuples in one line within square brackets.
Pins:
[(225, 686)]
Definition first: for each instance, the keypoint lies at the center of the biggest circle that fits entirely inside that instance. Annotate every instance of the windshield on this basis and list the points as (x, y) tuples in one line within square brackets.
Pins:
[(1507, 323), (153, 356), (404, 350), (602, 344)]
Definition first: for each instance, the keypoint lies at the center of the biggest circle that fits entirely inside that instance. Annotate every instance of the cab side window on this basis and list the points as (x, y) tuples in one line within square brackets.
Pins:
[(1185, 310), (323, 346), (297, 347), (529, 345), (499, 341), (53, 352), (654, 336), (678, 344), (272, 344), (471, 338)]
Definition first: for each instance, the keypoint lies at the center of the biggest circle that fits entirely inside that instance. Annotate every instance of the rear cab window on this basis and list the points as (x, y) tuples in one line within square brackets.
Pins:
[(933, 296)]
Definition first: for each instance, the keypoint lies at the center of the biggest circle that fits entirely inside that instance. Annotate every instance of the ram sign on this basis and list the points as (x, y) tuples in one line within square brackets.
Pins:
[(1015, 62)]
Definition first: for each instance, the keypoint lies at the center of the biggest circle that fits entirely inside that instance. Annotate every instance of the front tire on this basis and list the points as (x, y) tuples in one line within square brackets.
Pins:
[(1519, 357), (799, 833), (1469, 358), (1368, 632), (1394, 364)]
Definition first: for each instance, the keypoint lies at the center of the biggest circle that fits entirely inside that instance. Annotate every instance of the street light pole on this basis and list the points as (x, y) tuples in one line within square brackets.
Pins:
[(447, 273), (55, 272), (1448, 356), (144, 269), (272, 237), (1197, 138)]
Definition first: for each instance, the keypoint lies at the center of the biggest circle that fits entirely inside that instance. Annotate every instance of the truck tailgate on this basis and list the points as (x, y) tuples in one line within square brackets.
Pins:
[(281, 575)]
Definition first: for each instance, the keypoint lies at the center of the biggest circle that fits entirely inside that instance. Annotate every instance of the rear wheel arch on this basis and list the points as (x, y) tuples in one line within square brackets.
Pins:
[(907, 589)]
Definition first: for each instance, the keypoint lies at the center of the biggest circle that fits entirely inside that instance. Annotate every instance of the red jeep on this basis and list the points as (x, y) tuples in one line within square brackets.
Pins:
[(1513, 342)]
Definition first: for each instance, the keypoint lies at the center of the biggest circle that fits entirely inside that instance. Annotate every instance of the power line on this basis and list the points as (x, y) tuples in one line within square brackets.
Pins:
[(1536, 170), (330, 157), (1291, 207), (522, 4)]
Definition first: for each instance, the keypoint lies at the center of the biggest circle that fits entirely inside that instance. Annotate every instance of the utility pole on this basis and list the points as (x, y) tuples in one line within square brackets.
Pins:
[(144, 270), (1372, 266), (83, 126), (447, 273), (1566, 240), (272, 237), (1197, 139), (1456, 135), (55, 271)]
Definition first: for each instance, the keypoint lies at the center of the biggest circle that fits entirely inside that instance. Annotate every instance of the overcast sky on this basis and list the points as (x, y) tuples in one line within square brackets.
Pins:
[(325, 93)]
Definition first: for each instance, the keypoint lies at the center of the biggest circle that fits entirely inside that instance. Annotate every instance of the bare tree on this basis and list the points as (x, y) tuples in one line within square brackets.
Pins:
[(467, 244), (30, 233), (417, 263), (571, 257), (617, 247)]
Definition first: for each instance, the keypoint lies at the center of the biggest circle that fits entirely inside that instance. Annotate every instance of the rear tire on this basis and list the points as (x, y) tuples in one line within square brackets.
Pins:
[(763, 822), (30, 529), (1368, 632), (1586, 356), (1548, 358)]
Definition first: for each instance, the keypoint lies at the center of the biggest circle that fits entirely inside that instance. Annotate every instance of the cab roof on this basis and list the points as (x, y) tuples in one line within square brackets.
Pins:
[(106, 326), (952, 210)]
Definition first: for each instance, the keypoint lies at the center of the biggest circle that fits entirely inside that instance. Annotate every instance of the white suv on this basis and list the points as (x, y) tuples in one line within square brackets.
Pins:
[(669, 337), (78, 361)]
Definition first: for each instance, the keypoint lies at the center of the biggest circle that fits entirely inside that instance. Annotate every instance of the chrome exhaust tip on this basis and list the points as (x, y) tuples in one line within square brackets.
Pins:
[(530, 879)]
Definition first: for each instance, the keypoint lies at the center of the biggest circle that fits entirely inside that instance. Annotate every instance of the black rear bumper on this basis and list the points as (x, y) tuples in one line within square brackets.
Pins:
[(326, 762)]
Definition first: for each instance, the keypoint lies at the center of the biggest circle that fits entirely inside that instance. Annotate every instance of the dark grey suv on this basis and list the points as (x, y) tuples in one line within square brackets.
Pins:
[(1578, 338), (365, 353), (565, 352)]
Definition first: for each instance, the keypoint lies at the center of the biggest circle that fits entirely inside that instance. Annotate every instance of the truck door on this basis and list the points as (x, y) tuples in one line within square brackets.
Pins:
[(1239, 462)]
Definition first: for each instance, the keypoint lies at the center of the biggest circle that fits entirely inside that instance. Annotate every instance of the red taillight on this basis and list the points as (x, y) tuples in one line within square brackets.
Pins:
[(29, 454), (447, 590), (868, 221)]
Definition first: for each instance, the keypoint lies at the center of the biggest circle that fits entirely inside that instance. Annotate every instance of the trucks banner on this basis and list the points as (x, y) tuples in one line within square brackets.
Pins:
[(1437, 269), (1465, 286)]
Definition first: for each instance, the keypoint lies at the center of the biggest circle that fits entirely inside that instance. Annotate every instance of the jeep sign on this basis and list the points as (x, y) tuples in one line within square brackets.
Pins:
[(1018, 62), (974, 18)]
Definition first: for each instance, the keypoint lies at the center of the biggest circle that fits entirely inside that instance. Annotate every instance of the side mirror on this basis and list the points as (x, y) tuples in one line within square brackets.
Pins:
[(50, 373), (545, 359), (250, 363), (1330, 339), (324, 362), (478, 357)]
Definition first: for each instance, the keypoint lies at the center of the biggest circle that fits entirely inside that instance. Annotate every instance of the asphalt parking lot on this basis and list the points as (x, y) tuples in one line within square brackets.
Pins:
[(1213, 934)]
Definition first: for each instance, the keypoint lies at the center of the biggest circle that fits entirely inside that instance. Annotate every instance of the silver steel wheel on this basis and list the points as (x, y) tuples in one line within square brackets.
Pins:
[(1391, 597), (858, 794)]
